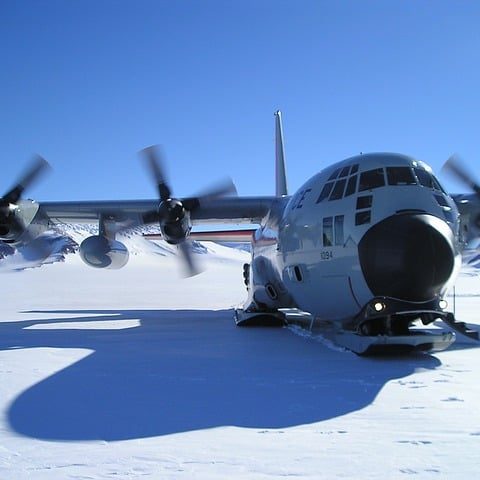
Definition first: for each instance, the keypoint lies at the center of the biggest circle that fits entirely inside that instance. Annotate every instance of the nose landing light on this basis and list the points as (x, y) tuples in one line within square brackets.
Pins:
[(379, 306)]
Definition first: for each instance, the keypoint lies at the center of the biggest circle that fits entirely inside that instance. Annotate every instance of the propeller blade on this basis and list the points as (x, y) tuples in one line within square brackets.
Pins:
[(154, 160), (221, 189), (186, 253), (456, 167), (38, 167)]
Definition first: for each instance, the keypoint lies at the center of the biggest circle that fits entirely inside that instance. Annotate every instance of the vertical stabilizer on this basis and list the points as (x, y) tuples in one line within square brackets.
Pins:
[(280, 174)]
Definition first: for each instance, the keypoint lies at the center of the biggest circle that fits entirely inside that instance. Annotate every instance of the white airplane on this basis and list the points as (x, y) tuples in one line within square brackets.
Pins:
[(364, 250)]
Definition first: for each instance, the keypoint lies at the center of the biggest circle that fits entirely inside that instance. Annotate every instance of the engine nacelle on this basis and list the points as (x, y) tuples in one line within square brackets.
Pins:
[(100, 252), (16, 219), (174, 221)]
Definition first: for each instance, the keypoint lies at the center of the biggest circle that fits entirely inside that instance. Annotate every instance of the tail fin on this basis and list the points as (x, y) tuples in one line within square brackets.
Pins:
[(280, 175)]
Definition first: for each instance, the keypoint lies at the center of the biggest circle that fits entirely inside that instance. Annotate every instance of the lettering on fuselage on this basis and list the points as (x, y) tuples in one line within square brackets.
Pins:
[(300, 197), (326, 255)]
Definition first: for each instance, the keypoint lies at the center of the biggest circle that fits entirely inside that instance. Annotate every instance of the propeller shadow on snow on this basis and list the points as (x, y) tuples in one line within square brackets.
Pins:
[(180, 371)]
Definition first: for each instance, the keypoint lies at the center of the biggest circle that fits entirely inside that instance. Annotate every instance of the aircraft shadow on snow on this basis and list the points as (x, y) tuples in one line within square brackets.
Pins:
[(180, 371)]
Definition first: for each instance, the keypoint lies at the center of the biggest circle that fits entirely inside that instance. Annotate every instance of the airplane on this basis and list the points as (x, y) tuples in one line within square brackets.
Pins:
[(365, 250)]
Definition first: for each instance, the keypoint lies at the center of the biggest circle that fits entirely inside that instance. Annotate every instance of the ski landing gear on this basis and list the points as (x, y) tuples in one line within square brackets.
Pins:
[(396, 344), (365, 340), (372, 339), (245, 318)]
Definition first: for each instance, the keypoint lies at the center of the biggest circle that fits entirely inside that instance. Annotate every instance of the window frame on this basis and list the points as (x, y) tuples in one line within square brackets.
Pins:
[(328, 241), (339, 231)]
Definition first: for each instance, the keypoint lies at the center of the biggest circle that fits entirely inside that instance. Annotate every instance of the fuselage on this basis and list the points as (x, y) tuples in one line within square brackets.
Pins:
[(374, 225)]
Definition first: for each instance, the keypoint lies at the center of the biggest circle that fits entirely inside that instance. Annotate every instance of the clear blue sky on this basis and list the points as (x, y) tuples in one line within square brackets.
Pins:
[(89, 83)]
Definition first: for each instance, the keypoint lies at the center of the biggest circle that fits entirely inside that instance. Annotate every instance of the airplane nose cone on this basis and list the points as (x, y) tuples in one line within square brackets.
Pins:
[(408, 256)]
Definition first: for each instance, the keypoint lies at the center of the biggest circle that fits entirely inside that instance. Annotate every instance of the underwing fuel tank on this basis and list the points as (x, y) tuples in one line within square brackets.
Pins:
[(100, 252)]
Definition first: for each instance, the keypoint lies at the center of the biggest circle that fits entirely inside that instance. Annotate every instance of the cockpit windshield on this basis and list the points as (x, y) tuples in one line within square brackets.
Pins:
[(343, 181), (400, 176), (371, 179)]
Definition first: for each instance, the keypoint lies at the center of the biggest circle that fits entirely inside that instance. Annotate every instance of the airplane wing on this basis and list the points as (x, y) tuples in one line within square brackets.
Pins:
[(25, 221), (130, 213)]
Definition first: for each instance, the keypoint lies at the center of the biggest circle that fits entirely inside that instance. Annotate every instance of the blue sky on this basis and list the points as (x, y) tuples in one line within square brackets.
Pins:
[(89, 83)]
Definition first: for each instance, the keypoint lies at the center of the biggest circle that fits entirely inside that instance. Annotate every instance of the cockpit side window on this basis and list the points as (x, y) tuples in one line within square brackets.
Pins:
[(351, 186), (400, 176), (337, 191), (334, 174), (437, 185), (426, 179), (347, 177), (371, 179), (326, 190)]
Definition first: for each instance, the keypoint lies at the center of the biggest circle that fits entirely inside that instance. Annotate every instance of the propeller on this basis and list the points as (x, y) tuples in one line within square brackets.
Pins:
[(456, 167), (12, 226), (173, 214), (38, 166)]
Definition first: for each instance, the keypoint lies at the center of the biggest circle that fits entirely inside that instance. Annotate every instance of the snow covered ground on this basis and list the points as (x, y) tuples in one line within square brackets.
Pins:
[(138, 373)]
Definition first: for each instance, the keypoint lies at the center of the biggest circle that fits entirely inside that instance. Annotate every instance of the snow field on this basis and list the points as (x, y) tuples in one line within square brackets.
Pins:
[(138, 373)]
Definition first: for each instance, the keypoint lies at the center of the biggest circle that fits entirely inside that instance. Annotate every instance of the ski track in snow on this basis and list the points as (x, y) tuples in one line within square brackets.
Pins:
[(137, 373)]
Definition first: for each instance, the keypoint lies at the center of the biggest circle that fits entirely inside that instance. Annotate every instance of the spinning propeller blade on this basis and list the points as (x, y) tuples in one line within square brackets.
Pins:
[(456, 167), (186, 254), (38, 166), (154, 161), (221, 189)]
